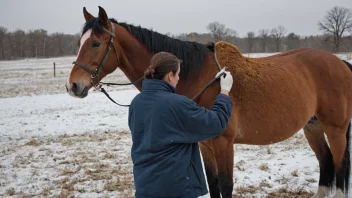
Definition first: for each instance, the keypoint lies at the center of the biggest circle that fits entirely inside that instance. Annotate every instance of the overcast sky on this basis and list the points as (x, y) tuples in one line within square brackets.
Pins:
[(177, 16)]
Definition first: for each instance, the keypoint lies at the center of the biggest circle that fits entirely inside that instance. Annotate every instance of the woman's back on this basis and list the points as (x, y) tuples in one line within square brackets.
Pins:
[(166, 129)]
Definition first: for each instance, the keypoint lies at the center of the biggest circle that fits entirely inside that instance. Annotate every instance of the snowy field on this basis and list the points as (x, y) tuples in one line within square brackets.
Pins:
[(54, 145)]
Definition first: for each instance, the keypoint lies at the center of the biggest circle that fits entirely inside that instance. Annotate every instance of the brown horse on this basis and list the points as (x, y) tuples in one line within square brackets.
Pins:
[(273, 97)]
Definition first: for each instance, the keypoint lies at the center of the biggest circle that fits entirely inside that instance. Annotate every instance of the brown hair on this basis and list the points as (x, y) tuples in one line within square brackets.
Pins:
[(161, 64)]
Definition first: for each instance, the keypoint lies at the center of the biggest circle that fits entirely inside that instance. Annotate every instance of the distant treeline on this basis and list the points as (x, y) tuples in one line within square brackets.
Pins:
[(267, 43), (39, 44), (336, 36), (35, 44)]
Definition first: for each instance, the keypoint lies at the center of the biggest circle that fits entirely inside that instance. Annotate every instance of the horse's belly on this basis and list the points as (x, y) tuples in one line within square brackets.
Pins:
[(275, 123), (265, 135)]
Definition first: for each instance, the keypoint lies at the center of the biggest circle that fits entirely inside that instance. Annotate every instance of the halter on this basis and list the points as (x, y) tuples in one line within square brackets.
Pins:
[(95, 74)]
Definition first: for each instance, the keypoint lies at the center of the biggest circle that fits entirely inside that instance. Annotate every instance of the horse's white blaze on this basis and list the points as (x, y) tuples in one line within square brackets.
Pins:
[(84, 38), (82, 41)]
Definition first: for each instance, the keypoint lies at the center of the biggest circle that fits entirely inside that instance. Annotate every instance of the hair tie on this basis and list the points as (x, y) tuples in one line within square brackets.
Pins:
[(152, 72)]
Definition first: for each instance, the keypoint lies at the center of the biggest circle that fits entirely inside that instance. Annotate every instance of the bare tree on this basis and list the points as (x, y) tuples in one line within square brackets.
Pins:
[(278, 33), (37, 42), (231, 37), (19, 43), (250, 41), (263, 38), (3, 32), (220, 31), (182, 36), (231, 32), (292, 41), (336, 22)]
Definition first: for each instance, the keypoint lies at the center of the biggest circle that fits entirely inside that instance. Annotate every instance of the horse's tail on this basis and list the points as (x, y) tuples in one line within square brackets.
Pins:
[(348, 64), (347, 161)]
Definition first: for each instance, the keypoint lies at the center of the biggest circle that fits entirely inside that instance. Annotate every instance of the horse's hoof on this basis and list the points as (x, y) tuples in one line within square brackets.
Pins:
[(323, 191), (339, 194)]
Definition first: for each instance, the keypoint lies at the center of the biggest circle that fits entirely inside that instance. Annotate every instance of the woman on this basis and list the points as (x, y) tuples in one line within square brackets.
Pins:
[(166, 128)]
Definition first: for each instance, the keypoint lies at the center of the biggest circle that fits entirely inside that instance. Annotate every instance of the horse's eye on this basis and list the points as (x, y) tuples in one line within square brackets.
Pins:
[(95, 44)]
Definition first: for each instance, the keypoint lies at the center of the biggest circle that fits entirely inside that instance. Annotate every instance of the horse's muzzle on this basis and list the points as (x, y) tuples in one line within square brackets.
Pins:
[(77, 90)]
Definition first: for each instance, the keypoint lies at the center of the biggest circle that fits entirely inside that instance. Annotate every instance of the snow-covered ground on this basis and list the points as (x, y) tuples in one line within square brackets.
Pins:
[(54, 145)]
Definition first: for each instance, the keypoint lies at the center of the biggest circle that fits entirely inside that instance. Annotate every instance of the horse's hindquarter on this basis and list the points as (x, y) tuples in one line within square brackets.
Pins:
[(274, 97), (333, 84), (285, 91)]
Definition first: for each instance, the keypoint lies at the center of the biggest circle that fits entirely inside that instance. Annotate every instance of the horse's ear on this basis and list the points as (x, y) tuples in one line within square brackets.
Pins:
[(86, 14), (210, 46), (103, 16)]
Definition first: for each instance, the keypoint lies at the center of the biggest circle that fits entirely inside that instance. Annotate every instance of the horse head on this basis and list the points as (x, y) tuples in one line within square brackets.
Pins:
[(97, 54)]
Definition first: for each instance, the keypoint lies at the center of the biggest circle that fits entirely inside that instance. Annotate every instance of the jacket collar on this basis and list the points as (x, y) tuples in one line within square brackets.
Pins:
[(154, 85)]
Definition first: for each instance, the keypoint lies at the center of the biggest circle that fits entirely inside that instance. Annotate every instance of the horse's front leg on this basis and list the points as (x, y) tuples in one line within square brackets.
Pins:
[(210, 168), (224, 156)]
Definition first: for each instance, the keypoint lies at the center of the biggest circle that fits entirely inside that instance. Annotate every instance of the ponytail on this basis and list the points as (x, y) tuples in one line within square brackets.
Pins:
[(161, 64)]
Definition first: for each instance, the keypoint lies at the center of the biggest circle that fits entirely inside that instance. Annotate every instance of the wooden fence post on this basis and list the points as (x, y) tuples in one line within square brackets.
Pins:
[(54, 70)]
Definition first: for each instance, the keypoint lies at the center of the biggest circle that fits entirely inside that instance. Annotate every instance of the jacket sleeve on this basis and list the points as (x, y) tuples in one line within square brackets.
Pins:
[(131, 116), (201, 123)]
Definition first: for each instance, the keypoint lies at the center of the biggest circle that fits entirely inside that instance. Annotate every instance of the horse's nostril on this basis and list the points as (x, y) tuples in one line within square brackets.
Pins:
[(74, 87)]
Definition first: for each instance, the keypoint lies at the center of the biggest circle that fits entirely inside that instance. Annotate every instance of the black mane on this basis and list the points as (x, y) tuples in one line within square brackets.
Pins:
[(192, 54)]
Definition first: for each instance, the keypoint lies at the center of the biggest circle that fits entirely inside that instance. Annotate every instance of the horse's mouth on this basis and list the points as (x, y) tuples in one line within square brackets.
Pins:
[(84, 93)]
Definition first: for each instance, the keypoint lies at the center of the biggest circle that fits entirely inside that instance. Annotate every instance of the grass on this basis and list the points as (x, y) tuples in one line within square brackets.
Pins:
[(264, 167), (240, 165), (282, 180), (268, 150), (311, 180), (246, 189), (265, 184), (46, 190), (285, 192), (33, 142), (10, 191), (114, 185), (100, 164), (78, 161), (300, 140), (294, 173)]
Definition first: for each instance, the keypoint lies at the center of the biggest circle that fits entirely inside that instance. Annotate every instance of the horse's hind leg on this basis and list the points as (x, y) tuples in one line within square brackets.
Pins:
[(315, 135), (339, 138), (210, 169)]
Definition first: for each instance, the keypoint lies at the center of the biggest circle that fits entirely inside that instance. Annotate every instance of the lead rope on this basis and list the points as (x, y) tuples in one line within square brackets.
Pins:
[(216, 59), (194, 98), (216, 77)]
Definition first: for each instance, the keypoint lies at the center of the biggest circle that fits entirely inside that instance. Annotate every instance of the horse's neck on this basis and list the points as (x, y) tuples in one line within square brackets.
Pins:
[(134, 59)]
